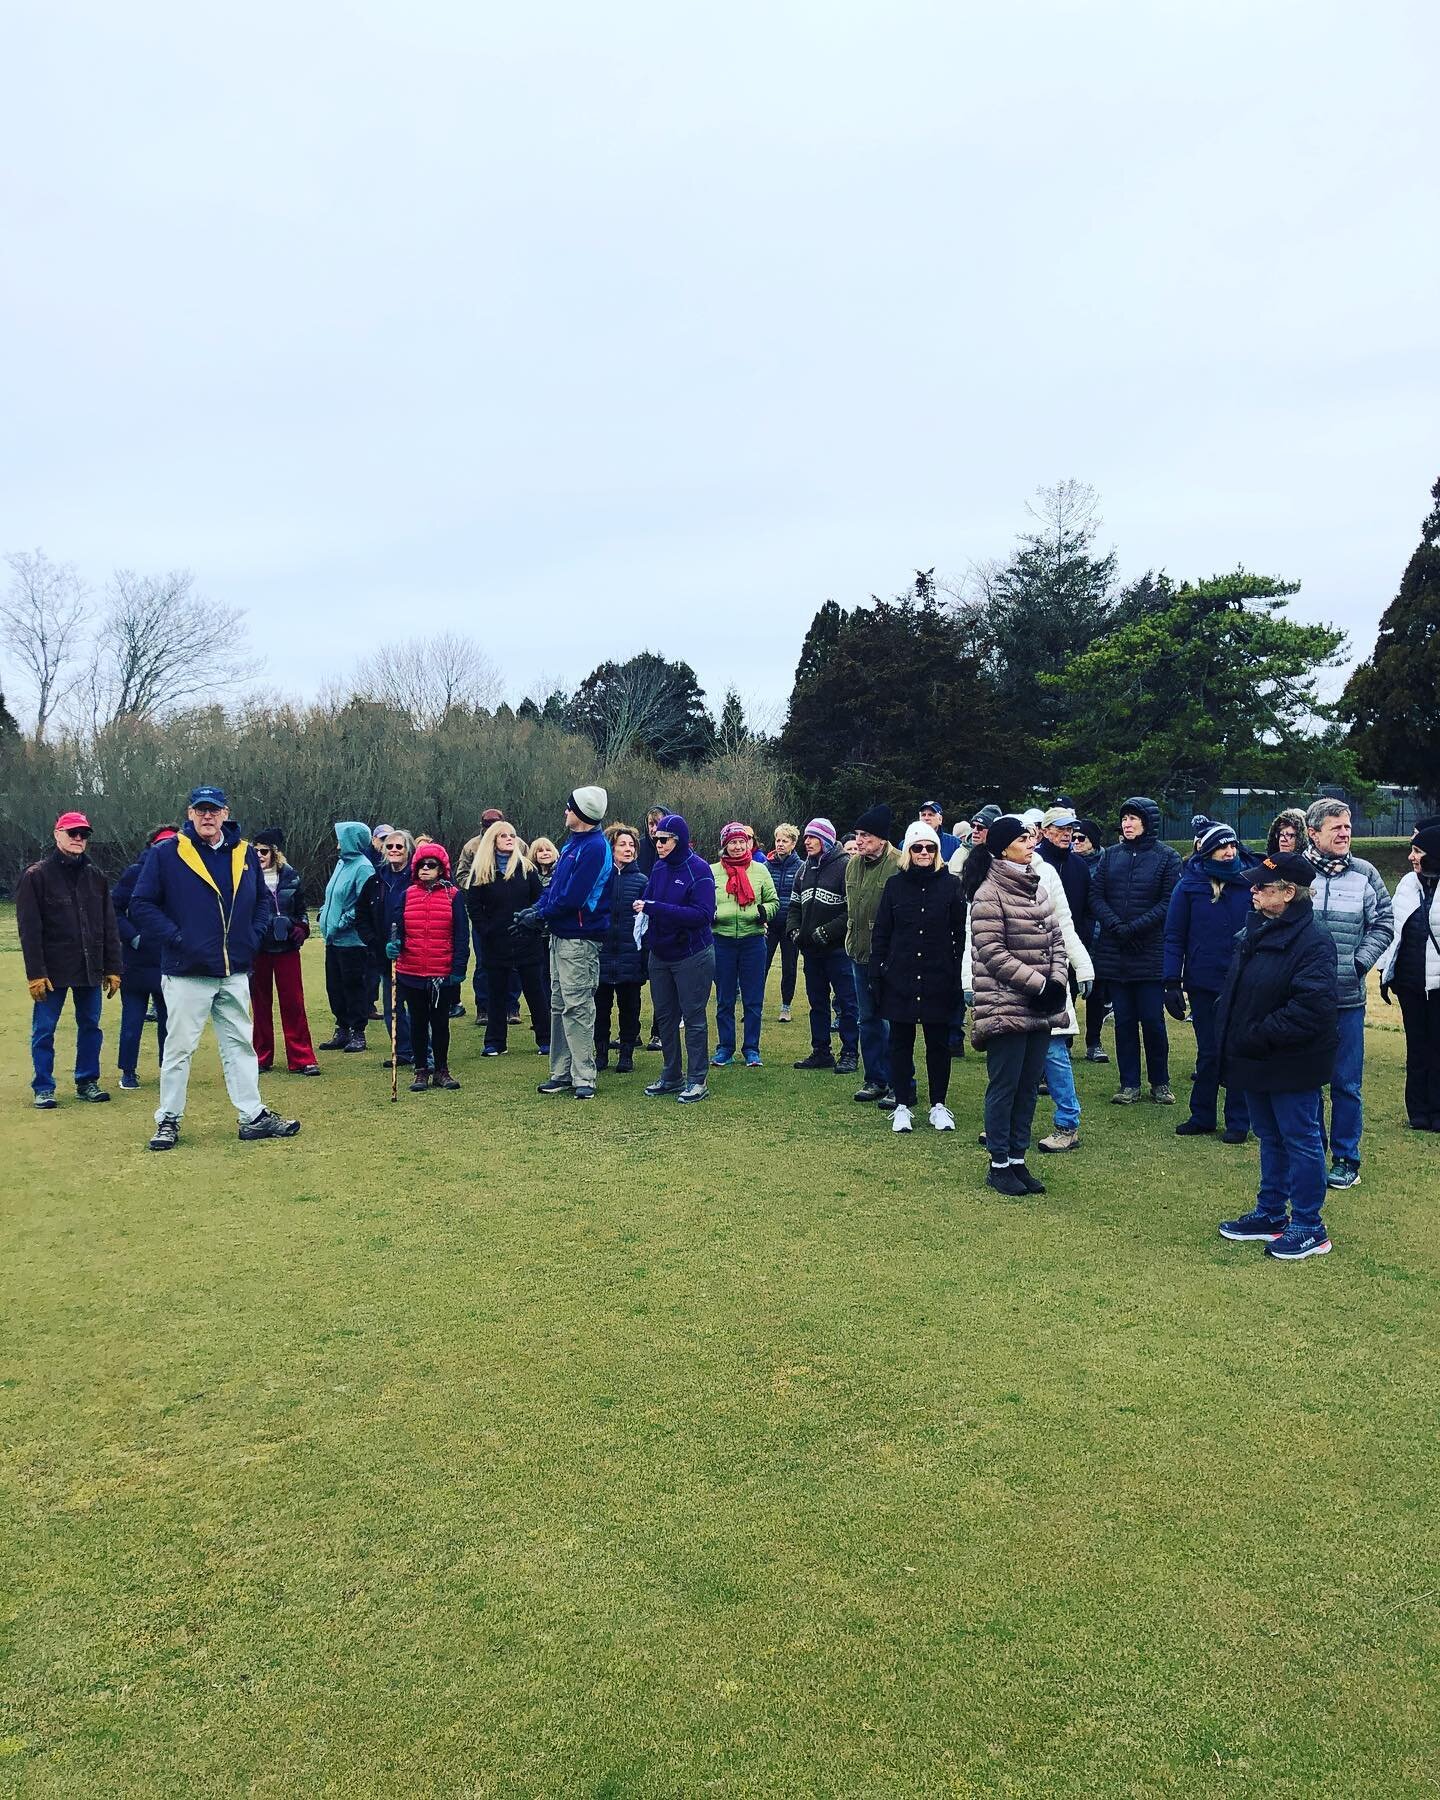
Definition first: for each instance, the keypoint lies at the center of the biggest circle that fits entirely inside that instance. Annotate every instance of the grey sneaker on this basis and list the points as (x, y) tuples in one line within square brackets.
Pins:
[(697, 1090), (167, 1134), (1093, 1053), (1125, 1096), (267, 1124), (1162, 1094), (1343, 1174), (90, 1090), (45, 1100)]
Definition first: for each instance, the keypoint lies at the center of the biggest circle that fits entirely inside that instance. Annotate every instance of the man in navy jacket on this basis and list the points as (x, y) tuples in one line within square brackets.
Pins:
[(202, 898)]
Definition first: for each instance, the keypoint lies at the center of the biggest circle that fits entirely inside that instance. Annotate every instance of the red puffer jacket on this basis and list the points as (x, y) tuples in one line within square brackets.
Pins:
[(428, 934)]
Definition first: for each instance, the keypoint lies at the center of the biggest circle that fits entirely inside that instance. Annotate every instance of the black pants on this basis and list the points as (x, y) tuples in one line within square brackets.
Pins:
[(1421, 1013), (1095, 1013), (347, 984), (1014, 1064), (429, 1010), (500, 978), (775, 939), (625, 998), (937, 1060)]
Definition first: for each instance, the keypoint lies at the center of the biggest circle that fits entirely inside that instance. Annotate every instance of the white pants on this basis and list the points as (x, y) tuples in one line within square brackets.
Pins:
[(190, 1000)]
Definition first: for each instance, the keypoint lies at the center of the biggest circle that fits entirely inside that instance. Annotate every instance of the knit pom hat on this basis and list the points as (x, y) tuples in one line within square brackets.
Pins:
[(1200, 823), (878, 821), (1214, 838), (733, 830), (822, 829), (1004, 832), (590, 803)]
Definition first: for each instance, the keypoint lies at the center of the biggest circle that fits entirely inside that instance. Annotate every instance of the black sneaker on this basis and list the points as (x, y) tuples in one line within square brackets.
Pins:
[(1031, 1184), (654, 1043), (816, 1061), (557, 1084), (457, 1011), (340, 1041), (355, 1043), (1093, 1053), (1234, 1137), (1251, 1228), (1193, 1128), (584, 1093), (90, 1090), (1004, 1181), (167, 1134), (267, 1124), (849, 1064), (872, 1090)]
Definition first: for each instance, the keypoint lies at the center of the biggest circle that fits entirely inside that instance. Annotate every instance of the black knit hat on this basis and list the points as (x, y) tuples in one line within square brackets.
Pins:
[(270, 834), (1089, 828), (877, 821), (1427, 841), (1282, 866), (1004, 832)]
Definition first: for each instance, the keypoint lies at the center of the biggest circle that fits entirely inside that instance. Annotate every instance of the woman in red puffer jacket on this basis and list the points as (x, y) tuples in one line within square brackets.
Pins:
[(430, 951)]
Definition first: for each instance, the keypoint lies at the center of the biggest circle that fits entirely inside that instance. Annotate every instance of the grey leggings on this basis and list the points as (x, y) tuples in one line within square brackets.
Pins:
[(680, 995), (1014, 1064)]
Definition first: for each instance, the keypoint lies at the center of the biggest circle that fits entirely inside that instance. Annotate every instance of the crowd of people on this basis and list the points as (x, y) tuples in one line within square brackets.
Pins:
[(1000, 928)]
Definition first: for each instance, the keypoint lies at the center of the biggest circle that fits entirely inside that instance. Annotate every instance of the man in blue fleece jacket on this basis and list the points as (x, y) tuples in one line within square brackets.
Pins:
[(576, 908)]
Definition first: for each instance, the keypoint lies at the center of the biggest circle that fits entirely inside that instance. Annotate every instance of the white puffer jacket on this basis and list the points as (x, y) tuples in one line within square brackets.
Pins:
[(1409, 897)]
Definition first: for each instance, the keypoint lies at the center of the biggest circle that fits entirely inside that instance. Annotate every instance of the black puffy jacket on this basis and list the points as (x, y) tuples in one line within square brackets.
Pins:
[(621, 964), (492, 905), (1276, 1019), (916, 946), (1129, 896)]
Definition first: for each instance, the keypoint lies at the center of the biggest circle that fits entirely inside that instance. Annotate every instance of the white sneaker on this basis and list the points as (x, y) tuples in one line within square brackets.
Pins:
[(941, 1117), (900, 1119)]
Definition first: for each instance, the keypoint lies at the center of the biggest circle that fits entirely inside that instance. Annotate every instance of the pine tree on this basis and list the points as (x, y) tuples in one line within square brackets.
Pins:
[(1393, 699), (733, 734)]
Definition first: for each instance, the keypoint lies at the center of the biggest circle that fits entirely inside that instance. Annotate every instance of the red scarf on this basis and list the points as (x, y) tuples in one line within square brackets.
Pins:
[(737, 882)]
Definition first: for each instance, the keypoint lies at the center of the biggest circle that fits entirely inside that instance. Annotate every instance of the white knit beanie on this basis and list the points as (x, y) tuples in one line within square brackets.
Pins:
[(590, 803), (921, 833)]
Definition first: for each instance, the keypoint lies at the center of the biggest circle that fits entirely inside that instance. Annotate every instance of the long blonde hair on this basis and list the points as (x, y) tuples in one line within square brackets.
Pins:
[(485, 869)]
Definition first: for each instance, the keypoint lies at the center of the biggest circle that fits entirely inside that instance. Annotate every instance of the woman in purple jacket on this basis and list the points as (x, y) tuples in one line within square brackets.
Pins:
[(678, 906)]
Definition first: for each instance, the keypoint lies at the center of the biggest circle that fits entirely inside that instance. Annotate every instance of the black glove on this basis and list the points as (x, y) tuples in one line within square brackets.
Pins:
[(528, 919), (1385, 992), (1054, 997), (1175, 1003)]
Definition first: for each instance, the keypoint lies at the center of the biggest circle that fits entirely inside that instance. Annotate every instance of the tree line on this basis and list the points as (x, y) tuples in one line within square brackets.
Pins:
[(1030, 675)]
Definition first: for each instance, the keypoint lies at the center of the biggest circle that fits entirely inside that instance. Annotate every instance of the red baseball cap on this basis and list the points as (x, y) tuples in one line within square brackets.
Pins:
[(72, 821)]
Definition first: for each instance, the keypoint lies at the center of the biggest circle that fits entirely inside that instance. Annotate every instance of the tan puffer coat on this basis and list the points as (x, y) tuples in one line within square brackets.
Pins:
[(1016, 947)]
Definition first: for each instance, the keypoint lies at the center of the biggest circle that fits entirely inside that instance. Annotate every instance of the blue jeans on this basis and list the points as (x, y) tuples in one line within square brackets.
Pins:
[(828, 971), (1205, 1088), (1140, 1006), (1345, 1111), (1060, 1079), (874, 1031), (134, 1004), (1292, 1155), (739, 965), (87, 1036)]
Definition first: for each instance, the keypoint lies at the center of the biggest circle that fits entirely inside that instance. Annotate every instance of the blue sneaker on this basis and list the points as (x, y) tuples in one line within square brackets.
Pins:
[(1296, 1242), (1343, 1174), (1254, 1228), (752, 1060), (129, 1080), (721, 1057)]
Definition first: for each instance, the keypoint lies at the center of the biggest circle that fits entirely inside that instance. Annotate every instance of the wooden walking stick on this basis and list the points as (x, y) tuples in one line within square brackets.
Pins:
[(394, 1053)]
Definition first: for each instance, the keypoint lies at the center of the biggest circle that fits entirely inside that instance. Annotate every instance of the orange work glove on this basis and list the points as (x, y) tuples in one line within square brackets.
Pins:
[(111, 985), (39, 989)]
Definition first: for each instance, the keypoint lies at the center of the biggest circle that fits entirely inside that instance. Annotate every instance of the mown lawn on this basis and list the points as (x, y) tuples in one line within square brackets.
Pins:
[(486, 1444)]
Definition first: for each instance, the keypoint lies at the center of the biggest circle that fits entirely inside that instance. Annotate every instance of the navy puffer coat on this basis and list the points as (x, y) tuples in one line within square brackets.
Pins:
[(1200, 924), (621, 964), (1130, 895)]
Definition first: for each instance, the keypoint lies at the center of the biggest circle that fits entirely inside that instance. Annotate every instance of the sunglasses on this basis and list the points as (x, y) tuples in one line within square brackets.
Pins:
[(264, 850), (664, 837), (82, 832), (922, 849)]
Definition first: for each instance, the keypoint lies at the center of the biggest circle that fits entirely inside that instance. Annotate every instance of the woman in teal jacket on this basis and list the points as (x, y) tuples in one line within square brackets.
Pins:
[(745, 901)]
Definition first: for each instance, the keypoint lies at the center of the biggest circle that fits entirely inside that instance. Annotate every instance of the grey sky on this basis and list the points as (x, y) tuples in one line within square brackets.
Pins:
[(589, 329)]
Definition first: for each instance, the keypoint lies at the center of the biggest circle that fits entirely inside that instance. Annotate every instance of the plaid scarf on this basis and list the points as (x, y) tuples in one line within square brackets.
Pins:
[(1327, 865)]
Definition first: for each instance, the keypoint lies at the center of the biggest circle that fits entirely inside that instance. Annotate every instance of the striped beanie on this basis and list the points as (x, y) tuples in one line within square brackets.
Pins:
[(822, 829)]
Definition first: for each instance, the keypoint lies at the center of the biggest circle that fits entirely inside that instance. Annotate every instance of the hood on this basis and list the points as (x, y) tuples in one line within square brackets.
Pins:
[(680, 849), (431, 853), (353, 837), (1147, 810), (1292, 815)]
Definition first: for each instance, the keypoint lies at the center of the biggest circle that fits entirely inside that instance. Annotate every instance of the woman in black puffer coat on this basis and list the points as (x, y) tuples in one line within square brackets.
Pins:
[(1130, 895), (916, 946), (623, 968)]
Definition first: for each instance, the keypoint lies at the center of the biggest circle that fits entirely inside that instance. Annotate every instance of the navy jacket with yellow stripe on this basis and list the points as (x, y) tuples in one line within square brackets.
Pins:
[(207, 909)]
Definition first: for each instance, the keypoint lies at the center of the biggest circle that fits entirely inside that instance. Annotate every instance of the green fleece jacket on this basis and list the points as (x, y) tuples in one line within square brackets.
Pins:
[(864, 884), (734, 921)]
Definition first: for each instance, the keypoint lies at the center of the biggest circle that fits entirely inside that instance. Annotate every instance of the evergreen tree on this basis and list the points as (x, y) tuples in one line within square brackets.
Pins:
[(1393, 699), (733, 734), (1216, 688), (899, 704), (9, 730), (646, 704)]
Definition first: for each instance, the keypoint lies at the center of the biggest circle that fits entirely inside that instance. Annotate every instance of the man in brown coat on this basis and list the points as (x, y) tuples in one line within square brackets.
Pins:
[(70, 942)]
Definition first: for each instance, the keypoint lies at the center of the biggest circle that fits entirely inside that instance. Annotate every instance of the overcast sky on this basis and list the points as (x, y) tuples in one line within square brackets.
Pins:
[(589, 329)]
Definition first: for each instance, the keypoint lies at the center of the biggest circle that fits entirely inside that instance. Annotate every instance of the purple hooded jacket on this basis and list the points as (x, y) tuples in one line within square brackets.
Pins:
[(679, 898)]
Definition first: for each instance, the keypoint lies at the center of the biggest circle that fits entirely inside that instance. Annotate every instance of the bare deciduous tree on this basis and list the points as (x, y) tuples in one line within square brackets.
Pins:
[(42, 619), (426, 677), (162, 646)]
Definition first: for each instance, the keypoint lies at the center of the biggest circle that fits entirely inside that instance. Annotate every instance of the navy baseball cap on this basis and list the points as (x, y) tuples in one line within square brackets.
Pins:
[(207, 796), (930, 806)]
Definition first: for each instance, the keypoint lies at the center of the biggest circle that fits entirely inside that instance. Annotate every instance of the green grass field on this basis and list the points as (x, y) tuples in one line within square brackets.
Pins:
[(491, 1445)]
